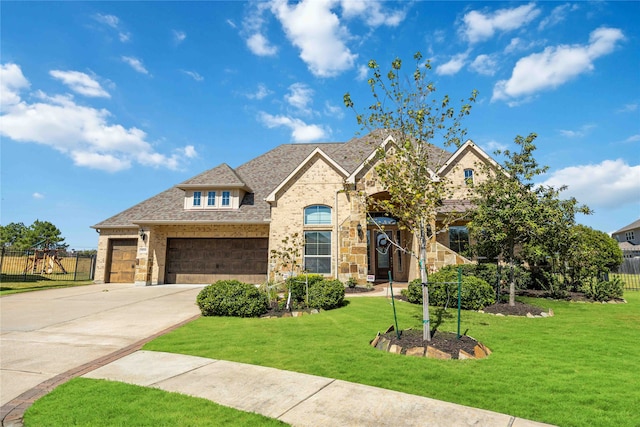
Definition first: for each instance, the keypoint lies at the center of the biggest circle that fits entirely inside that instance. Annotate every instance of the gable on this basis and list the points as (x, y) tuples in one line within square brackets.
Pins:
[(303, 167)]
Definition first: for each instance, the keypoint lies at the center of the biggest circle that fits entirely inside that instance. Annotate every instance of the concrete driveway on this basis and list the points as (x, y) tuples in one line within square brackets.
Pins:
[(46, 333)]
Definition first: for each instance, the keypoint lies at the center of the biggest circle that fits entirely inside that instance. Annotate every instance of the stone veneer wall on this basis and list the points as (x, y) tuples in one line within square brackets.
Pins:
[(317, 183)]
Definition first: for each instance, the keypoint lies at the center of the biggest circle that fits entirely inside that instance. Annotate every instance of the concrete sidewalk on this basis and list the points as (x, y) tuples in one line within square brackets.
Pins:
[(294, 398)]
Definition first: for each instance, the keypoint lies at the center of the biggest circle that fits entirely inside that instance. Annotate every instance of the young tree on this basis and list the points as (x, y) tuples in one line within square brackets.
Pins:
[(408, 109), (513, 216)]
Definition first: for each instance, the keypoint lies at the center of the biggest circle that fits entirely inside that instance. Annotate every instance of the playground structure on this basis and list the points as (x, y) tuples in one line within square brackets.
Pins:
[(44, 261)]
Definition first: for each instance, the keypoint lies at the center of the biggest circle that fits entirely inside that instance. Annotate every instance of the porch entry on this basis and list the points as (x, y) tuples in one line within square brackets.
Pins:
[(381, 230)]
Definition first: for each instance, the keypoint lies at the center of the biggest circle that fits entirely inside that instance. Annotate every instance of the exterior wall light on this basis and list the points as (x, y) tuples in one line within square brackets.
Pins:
[(143, 236)]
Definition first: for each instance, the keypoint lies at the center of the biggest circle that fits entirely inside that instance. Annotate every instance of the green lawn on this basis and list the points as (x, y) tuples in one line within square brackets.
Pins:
[(95, 403), (38, 285), (579, 368)]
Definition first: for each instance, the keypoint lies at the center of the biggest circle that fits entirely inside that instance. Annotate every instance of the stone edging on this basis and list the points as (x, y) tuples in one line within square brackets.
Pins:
[(381, 343)]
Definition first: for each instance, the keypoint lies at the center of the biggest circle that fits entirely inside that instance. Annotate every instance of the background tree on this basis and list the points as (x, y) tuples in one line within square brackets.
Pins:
[(515, 218), (12, 233), (592, 254), (40, 234), (408, 109)]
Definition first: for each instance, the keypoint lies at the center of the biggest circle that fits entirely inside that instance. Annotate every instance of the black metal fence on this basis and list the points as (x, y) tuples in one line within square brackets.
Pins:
[(629, 271), (35, 265)]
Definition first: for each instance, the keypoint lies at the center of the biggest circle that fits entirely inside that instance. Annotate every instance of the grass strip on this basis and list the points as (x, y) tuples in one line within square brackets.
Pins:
[(96, 403), (7, 288)]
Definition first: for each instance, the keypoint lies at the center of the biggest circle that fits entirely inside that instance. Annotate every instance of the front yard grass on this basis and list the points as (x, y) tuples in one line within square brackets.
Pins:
[(95, 403), (578, 368)]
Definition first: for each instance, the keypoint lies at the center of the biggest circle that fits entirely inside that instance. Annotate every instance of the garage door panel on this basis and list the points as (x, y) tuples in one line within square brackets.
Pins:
[(122, 256), (209, 260)]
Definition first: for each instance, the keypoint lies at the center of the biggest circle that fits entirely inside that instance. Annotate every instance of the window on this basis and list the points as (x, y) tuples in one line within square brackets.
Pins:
[(196, 198), (468, 177), (629, 235), (317, 215), (226, 200), (459, 239), (317, 252), (211, 198)]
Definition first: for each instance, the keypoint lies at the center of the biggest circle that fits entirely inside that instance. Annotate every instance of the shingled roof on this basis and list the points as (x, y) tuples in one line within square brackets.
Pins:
[(259, 177)]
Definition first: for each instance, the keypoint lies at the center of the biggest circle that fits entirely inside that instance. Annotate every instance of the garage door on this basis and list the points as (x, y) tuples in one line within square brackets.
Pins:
[(122, 260), (209, 260)]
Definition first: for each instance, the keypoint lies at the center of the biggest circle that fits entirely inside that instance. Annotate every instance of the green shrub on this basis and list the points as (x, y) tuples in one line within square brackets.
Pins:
[(605, 290), (297, 286), (326, 294), (232, 298), (443, 291)]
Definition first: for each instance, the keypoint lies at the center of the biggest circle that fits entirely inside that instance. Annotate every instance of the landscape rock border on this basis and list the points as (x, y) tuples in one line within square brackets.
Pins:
[(480, 351)]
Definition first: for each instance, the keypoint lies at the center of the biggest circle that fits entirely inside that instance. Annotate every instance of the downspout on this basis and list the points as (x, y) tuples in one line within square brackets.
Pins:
[(337, 230)]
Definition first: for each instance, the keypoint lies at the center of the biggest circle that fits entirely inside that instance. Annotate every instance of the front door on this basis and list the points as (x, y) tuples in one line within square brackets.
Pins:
[(383, 251)]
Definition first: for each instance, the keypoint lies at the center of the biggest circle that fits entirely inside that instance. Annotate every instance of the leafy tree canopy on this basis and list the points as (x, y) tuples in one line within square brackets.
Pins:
[(40, 234)]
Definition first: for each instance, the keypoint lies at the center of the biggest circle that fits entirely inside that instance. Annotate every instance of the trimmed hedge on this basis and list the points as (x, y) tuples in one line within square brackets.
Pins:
[(443, 291), (232, 298)]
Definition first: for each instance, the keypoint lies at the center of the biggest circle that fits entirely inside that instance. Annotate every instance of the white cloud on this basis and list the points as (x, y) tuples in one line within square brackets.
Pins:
[(372, 12), (452, 66), (12, 81), (558, 14), (363, 72), (231, 24), (195, 76), (484, 64), (556, 65), (253, 31), (335, 111), (583, 131), (612, 183), (300, 131), (628, 108), (179, 36), (80, 83), (113, 22), (312, 27), (633, 138), (259, 45), (261, 92), (300, 96), (37, 195), (135, 63), (479, 26), (83, 133), (493, 145)]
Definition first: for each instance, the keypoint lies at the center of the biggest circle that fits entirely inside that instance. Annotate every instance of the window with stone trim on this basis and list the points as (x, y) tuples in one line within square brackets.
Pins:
[(317, 252)]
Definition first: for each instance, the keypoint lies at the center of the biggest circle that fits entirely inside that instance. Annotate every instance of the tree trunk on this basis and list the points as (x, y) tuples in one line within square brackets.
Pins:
[(512, 288), (426, 324)]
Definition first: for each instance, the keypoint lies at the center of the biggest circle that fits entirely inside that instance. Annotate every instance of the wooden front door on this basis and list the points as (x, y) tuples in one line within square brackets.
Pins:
[(122, 260)]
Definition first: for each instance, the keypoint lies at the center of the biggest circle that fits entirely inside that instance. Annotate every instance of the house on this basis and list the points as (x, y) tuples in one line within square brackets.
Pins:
[(628, 238), (225, 222)]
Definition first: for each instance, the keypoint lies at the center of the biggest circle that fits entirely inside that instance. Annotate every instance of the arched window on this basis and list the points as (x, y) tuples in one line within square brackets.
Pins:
[(317, 215)]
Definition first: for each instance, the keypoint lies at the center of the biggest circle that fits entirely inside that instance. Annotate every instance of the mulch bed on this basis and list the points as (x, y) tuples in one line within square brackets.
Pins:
[(358, 290), (447, 342), (519, 309)]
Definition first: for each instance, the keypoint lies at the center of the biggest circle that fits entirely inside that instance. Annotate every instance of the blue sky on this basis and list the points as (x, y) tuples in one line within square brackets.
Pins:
[(105, 104)]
